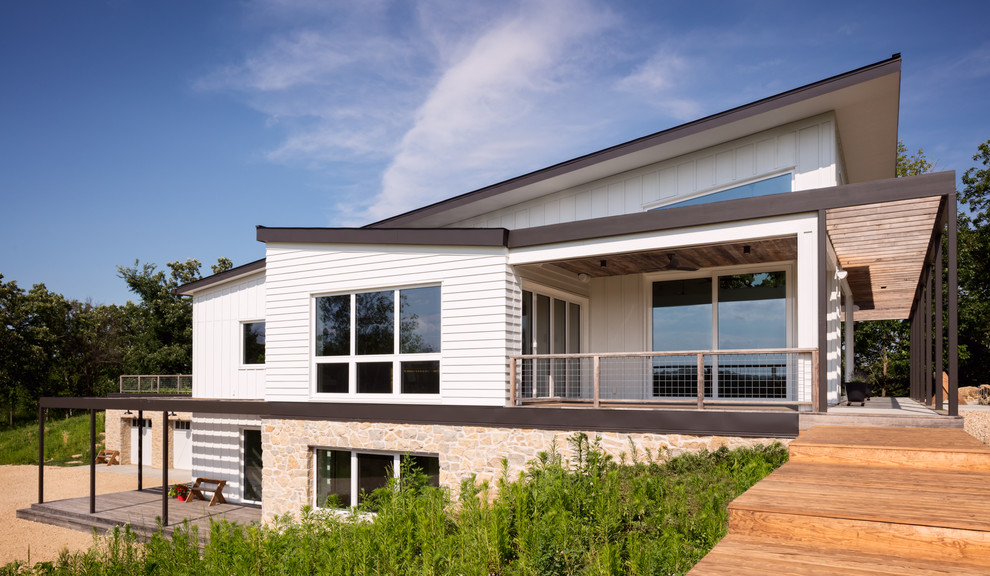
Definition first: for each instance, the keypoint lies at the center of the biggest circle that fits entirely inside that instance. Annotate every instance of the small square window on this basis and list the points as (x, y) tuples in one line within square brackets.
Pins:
[(421, 377), (254, 343), (374, 377)]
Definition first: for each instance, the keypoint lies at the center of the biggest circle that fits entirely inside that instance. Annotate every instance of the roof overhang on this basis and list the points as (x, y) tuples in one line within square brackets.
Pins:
[(865, 103), (224, 277), (387, 236)]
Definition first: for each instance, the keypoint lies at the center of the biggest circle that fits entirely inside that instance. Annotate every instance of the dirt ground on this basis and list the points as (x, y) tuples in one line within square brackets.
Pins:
[(32, 542)]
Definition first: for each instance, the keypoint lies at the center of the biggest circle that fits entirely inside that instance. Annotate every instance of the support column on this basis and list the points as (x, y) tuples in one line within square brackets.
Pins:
[(140, 447), (41, 454), (92, 461), (927, 340), (822, 367), (953, 288), (850, 338), (165, 468), (939, 332)]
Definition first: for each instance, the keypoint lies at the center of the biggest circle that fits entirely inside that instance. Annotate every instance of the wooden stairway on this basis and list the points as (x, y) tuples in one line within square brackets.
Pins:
[(864, 501)]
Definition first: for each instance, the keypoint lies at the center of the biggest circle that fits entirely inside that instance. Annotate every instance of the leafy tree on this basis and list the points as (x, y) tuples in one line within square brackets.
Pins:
[(974, 271), (162, 340)]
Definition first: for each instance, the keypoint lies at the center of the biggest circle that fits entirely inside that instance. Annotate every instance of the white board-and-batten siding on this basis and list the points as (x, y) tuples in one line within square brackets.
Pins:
[(806, 149), (218, 317), (218, 451), (477, 313)]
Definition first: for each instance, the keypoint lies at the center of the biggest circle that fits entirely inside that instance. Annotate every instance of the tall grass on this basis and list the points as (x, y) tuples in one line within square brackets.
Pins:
[(587, 516), (64, 438)]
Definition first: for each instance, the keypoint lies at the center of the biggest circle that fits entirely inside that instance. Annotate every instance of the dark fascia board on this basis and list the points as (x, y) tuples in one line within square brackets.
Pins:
[(393, 236), (884, 67), (769, 424), (890, 190), (225, 276)]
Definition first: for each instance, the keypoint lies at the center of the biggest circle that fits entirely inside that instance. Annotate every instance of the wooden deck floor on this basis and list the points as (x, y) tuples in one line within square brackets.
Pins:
[(864, 501), (142, 510)]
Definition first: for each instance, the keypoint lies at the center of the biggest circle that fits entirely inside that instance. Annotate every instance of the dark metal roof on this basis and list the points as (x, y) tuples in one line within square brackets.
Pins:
[(225, 276), (399, 236)]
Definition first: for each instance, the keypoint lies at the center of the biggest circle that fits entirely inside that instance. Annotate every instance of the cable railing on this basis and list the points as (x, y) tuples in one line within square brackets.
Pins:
[(747, 377), (156, 384)]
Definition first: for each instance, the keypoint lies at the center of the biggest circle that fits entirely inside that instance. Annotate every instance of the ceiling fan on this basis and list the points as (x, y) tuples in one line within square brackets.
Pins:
[(674, 264)]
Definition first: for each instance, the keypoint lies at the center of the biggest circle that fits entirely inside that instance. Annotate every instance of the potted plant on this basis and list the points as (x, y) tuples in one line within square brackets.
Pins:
[(179, 492), (858, 389)]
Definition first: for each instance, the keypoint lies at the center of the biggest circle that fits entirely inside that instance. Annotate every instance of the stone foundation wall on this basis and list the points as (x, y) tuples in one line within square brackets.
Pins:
[(288, 445), (118, 435)]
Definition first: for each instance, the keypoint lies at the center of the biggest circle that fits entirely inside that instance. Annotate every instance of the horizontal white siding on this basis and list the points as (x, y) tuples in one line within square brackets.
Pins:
[(476, 310), (217, 318), (217, 451), (807, 149)]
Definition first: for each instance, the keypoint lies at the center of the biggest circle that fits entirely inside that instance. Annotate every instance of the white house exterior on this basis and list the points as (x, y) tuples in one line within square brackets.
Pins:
[(579, 298)]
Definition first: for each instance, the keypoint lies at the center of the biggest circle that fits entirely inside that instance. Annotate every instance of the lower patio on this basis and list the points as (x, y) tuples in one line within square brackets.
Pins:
[(139, 508)]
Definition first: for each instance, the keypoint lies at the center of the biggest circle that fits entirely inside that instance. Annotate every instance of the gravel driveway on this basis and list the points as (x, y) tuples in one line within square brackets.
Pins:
[(23, 540)]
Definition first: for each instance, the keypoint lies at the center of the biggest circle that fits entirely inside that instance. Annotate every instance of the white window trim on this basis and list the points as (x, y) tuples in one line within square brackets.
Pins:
[(570, 297), (396, 357), (354, 452), (790, 299), (240, 339)]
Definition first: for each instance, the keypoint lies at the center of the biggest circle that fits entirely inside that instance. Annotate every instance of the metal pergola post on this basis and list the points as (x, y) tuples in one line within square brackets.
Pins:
[(953, 289), (939, 331)]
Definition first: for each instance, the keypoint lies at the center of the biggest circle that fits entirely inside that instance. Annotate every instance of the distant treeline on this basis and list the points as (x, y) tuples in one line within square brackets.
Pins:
[(53, 346)]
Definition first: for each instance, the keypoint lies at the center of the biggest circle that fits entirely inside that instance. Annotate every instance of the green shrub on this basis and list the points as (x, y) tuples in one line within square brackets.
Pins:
[(589, 516)]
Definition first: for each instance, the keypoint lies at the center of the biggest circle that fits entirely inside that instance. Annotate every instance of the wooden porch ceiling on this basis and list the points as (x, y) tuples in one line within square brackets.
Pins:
[(883, 248), (708, 256)]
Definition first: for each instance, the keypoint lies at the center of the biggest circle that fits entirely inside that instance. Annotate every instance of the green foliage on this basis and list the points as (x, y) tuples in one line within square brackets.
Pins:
[(589, 516), (974, 271), (162, 341), (912, 165), (64, 437)]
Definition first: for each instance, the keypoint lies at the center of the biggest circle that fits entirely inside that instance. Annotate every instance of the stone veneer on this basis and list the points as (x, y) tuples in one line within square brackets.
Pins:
[(118, 435), (288, 476)]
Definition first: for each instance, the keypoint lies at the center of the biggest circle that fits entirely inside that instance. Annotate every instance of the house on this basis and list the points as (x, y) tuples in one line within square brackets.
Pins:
[(684, 290)]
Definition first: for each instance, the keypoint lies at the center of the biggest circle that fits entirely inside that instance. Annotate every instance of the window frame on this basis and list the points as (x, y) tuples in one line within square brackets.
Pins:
[(243, 348), (355, 453), (672, 201), (790, 306), (395, 358)]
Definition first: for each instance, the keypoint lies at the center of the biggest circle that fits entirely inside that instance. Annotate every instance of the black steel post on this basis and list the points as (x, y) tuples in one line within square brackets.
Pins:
[(939, 328), (822, 314), (953, 290), (92, 461), (140, 447), (41, 455), (927, 375), (165, 468)]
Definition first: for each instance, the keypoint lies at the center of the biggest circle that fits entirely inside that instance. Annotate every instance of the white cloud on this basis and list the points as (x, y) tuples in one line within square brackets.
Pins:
[(493, 107), (441, 97)]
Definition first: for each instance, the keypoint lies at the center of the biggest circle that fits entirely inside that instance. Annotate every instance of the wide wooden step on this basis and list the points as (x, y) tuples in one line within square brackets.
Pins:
[(921, 448), (748, 556), (911, 512)]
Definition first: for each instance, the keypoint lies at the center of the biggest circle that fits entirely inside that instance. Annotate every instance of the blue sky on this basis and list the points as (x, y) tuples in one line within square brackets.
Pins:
[(163, 131)]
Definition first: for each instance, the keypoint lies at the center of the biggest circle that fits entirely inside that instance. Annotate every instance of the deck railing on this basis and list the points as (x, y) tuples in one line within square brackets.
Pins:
[(748, 377), (156, 384)]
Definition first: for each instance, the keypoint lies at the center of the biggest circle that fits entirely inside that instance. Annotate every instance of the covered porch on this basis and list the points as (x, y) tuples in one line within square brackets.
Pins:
[(738, 303)]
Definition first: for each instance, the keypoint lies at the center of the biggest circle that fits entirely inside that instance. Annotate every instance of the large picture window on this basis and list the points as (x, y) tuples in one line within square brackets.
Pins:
[(380, 342), (345, 478), (722, 312)]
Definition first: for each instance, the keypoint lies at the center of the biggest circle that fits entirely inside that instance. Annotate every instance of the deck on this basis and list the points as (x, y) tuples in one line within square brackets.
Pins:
[(853, 500), (142, 510)]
